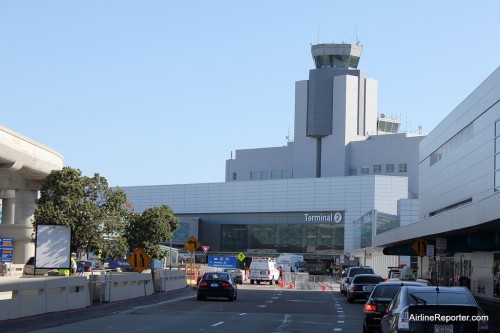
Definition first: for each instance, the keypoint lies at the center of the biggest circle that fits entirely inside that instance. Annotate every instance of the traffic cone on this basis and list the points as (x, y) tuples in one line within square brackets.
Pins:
[(325, 287), (291, 285), (281, 284)]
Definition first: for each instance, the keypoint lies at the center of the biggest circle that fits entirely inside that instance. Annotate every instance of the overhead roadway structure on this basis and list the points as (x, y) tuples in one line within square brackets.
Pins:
[(24, 163)]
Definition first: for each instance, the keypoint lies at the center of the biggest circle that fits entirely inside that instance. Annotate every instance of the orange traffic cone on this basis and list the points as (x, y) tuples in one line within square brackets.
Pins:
[(325, 287), (291, 285)]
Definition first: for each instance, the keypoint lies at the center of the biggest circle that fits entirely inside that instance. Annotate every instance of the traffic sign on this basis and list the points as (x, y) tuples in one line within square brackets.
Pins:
[(241, 256), (420, 247), (192, 244), (139, 260), (205, 248), (430, 251)]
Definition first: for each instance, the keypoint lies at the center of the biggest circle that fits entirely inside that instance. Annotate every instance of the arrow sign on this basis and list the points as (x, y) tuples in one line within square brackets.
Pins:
[(192, 244)]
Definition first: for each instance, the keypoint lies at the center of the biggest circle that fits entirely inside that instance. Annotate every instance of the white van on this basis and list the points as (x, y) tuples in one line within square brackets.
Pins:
[(263, 269)]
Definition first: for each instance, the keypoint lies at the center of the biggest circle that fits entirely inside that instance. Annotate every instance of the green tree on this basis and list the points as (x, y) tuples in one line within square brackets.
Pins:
[(149, 229), (95, 212)]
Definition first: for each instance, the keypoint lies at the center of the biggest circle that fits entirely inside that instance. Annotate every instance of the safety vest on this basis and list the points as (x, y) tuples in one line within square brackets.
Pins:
[(64, 271)]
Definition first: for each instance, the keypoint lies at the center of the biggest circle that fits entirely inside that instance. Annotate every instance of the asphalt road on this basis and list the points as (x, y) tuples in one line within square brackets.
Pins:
[(259, 308)]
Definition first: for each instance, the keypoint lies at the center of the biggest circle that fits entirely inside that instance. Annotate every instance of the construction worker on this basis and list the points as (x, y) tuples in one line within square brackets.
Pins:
[(74, 266)]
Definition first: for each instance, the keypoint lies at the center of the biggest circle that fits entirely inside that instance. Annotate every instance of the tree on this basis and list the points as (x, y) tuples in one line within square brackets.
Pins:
[(148, 230), (94, 211)]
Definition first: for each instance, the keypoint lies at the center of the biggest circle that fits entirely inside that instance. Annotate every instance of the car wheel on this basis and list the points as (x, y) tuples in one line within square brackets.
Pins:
[(251, 281), (235, 296), (199, 298), (271, 282), (231, 298), (258, 282), (365, 330), (349, 298)]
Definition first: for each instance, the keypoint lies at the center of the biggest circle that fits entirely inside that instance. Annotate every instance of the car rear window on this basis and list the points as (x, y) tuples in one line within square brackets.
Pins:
[(357, 271), (419, 297), (385, 291), (367, 279)]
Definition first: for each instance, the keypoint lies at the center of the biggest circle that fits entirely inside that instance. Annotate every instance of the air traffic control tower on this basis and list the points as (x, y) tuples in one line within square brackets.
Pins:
[(341, 105)]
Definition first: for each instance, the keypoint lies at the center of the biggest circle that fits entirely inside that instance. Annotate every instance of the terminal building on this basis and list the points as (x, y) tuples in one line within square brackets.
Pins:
[(352, 188), (307, 197)]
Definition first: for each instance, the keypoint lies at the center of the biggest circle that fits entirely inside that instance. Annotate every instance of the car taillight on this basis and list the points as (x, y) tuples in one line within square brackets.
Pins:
[(404, 320), (357, 288), (268, 272), (225, 284), (370, 307), (203, 283)]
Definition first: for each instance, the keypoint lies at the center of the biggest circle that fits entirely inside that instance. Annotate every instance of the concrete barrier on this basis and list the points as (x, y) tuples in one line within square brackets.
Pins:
[(28, 296), (31, 296), (166, 280)]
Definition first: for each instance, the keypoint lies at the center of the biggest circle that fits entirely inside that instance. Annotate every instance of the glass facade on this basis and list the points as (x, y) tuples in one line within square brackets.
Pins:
[(297, 238)]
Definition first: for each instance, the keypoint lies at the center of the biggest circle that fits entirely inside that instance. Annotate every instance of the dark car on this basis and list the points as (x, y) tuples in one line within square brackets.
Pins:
[(217, 284), (379, 300), (235, 273), (351, 272), (85, 266), (361, 286), (434, 309)]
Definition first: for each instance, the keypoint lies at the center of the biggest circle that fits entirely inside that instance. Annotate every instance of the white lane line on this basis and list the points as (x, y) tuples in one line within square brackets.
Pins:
[(160, 303), (217, 324), (243, 313), (261, 306), (286, 321), (340, 322), (337, 330)]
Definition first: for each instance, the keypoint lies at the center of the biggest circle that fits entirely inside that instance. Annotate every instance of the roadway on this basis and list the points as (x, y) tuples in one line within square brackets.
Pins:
[(259, 308)]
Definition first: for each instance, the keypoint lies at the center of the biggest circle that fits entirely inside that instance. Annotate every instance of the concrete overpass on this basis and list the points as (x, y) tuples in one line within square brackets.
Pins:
[(24, 163)]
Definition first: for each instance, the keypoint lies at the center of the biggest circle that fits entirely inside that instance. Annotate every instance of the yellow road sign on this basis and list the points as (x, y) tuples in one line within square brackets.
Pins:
[(139, 260), (241, 256), (192, 244), (420, 247)]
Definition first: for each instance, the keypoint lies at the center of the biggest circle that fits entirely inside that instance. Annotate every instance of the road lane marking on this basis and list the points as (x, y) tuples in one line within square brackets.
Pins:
[(286, 321), (217, 324), (243, 313)]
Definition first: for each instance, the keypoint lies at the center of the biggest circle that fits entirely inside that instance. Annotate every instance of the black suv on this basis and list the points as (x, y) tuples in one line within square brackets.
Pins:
[(351, 272)]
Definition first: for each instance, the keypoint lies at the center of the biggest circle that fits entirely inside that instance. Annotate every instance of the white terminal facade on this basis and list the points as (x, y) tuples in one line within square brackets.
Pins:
[(351, 184)]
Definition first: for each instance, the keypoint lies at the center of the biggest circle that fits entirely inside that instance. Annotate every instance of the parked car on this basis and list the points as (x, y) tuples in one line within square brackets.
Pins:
[(361, 286), (217, 284), (86, 266), (235, 273), (29, 268), (379, 300), (433, 309), (351, 272)]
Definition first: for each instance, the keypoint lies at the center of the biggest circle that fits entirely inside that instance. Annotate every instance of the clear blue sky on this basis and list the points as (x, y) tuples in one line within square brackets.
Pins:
[(161, 92)]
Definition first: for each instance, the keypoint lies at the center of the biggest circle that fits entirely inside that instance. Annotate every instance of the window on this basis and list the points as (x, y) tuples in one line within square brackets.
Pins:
[(234, 175), (377, 168), (389, 168), (353, 171), (264, 174), (403, 167), (254, 175), (365, 170), (275, 174)]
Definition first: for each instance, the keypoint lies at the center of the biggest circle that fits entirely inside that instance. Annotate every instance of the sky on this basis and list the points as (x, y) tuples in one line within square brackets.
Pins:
[(163, 92)]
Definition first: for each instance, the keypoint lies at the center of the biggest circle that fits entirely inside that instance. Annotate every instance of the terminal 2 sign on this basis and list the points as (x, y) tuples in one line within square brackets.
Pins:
[(333, 217)]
